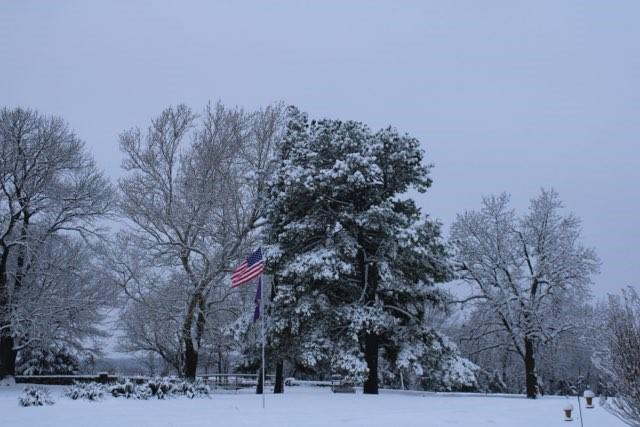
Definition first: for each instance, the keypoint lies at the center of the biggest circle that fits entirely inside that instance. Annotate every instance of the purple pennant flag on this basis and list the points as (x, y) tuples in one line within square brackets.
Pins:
[(256, 313)]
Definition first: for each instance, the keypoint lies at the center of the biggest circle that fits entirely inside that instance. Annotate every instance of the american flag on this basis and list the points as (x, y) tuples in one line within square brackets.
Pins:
[(251, 268)]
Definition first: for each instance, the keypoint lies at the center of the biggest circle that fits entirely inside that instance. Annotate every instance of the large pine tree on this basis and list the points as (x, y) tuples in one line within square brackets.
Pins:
[(355, 262)]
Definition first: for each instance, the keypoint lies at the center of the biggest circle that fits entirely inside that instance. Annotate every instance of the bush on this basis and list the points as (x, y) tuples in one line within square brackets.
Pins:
[(195, 389), (88, 391), (454, 373), (124, 389), (490, 382), (35, 396), (143, 392), (161, 388), (47, 361)]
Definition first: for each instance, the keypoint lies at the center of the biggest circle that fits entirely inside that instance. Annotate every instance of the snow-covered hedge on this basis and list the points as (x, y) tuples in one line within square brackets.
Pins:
[(160, 388), (47, 361), (35, 396), (125, 389), (196, 389), (88, 391), (457, 374)]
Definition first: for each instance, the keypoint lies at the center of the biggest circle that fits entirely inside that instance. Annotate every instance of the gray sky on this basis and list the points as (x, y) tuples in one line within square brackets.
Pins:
[(505, 96)]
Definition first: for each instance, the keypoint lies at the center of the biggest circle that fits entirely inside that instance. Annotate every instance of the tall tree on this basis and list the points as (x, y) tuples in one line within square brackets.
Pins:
[(191, 195), (527, 273), (618, 354), (355, 263), (51, 190)]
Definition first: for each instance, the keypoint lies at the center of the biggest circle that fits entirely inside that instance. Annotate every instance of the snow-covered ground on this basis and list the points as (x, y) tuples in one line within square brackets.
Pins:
[(300, 407)]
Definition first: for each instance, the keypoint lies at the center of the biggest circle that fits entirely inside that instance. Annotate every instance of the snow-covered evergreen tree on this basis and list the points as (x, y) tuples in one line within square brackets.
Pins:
[(354, 262), (52, 360)]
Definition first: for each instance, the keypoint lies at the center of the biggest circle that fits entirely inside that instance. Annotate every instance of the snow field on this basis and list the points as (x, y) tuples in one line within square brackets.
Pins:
[(300, 407)]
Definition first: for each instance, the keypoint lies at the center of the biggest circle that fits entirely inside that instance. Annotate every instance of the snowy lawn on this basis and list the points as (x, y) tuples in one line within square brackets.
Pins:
[(300, 406)]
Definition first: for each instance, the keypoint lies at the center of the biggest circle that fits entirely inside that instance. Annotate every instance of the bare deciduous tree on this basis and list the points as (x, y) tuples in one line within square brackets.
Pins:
[(618, 355), (51, 189), (525, 274), (192, 197)]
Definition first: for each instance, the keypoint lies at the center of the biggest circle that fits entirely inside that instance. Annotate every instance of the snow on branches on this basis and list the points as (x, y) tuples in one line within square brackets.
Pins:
[(528, 275), (354, 263)]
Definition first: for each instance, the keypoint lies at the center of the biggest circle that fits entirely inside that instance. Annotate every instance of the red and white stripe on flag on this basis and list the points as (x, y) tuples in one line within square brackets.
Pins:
[(250, 268)]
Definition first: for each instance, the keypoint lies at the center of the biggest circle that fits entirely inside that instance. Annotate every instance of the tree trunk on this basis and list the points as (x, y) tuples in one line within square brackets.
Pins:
[(7, 353), (369, 278), (371, 345), (259, 386), (530, 369), (190, 350), (190, 360), (7, 357), (279, 385)]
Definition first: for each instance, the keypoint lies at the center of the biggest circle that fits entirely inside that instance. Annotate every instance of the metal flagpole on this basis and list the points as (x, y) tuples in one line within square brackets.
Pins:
[(580, 408), (263, 337)]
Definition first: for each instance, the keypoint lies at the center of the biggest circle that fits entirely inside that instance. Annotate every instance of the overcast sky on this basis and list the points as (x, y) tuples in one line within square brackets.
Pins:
[(504, 95)]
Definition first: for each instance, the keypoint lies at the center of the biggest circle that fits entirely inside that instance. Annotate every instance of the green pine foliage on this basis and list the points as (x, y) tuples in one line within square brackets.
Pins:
[(51, 360), (355, 262)]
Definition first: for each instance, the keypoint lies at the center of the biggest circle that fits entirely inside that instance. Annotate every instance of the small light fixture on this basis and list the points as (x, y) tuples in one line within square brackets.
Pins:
[(567, 412), (588, 395)]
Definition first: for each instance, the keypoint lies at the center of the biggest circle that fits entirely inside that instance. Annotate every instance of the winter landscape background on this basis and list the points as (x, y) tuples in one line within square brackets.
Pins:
[(444, 194)]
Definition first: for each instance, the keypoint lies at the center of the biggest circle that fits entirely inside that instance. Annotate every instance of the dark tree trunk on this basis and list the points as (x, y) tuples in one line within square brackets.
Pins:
[(190, 367), (369, 278), (371, 345), (7, 353), (259, 386), (190, 360), (530, 369), (279, 385), (7, 357)]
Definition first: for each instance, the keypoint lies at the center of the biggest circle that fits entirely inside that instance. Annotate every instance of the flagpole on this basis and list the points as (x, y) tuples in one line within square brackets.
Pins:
[(263, 338)]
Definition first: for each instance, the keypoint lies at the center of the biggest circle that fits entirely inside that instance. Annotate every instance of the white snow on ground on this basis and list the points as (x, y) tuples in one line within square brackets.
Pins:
[(300, 407)]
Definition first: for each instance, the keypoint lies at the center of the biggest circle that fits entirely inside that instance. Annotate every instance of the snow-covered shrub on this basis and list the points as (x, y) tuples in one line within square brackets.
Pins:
[(197, 388), (447, 370), (491, 382), (130, 390), (161, 387), (47, 361), (35, 396), (142, 392), (88, 391), (123, 389), (457, 374)]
